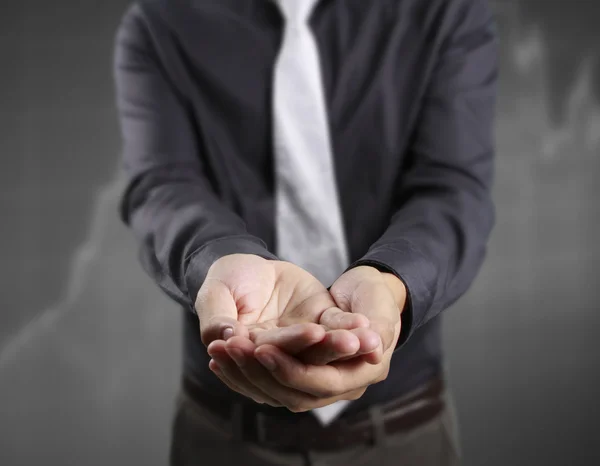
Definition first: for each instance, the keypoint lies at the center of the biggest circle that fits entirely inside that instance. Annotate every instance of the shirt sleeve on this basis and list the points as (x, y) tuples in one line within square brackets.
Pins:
[(436, 240), (181, 224)]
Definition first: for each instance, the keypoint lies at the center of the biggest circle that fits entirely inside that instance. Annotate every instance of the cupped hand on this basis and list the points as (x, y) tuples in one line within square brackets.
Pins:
[(279, 304), (267, 374)]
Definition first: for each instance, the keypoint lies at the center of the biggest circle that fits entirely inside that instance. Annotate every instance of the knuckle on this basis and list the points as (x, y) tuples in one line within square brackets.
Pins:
[(358, 394), (341, 297), (296, 406), (311, 331), (209, 332), (274, 403), (293, 408), (255, 335)]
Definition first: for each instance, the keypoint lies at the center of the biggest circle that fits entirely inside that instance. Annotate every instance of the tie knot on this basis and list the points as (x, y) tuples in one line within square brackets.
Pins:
[(296, 11)]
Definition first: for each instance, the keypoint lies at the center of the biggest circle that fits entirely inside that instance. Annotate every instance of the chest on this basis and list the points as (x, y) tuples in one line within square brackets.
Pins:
[(375, 59)]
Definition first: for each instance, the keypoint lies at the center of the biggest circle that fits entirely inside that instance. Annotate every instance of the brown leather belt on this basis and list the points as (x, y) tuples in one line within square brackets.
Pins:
[(304, 432)]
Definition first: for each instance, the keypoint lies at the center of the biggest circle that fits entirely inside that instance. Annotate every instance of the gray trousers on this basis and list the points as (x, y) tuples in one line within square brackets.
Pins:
[(199, 438)]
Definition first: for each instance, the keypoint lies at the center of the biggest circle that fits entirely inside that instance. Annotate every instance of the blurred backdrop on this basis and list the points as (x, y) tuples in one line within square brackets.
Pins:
[(89, 348)]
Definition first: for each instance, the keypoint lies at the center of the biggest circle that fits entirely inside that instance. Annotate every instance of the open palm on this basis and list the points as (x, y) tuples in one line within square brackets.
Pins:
[(278, 303)]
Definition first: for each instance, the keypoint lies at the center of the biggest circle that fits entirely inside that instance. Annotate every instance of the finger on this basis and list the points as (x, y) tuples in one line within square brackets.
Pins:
[(217, 311), (251, 393), (292, 339), (326, 381), (239, 330), (370, 344), (335, 345), (371, 349), (341, 345), (373, 299), (293, 399), (235, 379), (387, 330), (374, 357), (232, 377), (214, 367), (335, 318)]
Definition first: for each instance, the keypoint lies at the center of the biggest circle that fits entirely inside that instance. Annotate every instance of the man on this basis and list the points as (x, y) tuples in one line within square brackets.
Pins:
[(311, 181)]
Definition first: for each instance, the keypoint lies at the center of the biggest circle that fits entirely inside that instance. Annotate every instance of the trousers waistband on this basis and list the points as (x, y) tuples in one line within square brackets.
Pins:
[(283, 430)]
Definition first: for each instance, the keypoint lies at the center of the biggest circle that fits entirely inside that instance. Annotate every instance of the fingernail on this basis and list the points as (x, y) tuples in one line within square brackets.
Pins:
[(267, 360), (237, 356), (227, 333)]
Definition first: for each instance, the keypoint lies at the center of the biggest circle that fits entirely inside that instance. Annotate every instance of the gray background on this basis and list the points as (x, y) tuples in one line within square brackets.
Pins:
[(89, 349)]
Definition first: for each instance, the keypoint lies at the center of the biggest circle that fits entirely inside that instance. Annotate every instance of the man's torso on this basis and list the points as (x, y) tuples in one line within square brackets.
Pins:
[(376, 58)]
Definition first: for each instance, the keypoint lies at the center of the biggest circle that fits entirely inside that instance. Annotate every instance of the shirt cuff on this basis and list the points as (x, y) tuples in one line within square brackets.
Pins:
[(199, 262), (410, 267)]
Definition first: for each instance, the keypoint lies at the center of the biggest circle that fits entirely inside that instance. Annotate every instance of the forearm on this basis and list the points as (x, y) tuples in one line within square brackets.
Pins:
[(435, 247), (437, 236), (181, 224), (182, 229)]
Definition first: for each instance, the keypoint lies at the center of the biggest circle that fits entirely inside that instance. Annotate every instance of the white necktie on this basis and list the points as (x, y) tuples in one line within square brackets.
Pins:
[(309, 223)]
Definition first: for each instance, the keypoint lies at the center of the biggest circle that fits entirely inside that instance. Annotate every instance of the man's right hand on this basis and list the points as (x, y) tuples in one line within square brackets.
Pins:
[(279, 303)]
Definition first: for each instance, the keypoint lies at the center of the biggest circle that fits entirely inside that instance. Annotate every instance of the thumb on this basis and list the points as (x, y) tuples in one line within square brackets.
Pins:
[(217, 312)]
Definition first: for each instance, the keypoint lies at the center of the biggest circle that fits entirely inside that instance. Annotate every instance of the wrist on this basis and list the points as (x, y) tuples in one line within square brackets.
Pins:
[(397, 288)]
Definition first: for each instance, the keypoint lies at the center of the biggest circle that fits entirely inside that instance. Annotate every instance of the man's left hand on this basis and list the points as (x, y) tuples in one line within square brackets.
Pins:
[(302, 387)]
